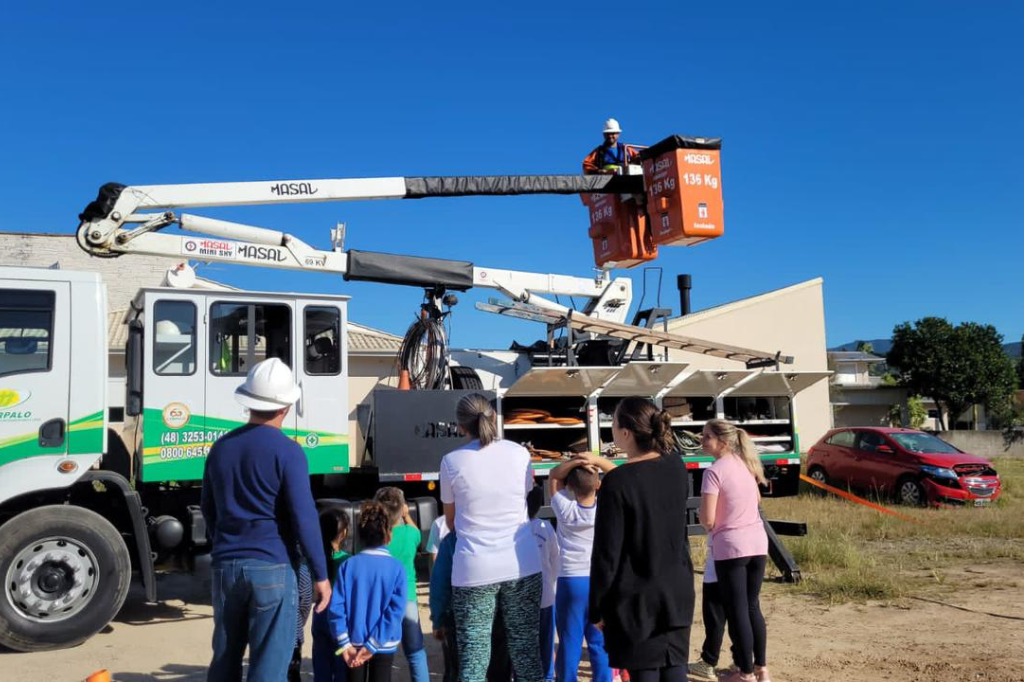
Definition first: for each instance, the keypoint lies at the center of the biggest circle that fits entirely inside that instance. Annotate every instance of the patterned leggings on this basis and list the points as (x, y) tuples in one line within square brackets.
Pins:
[(518, 601), (305, 580)]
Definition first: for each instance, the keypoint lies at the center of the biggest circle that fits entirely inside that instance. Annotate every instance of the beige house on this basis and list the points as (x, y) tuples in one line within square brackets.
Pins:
[(791, 320)]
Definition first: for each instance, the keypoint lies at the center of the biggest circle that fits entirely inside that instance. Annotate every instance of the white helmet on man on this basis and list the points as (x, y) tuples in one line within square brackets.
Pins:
[(611, 126), (269, 387)]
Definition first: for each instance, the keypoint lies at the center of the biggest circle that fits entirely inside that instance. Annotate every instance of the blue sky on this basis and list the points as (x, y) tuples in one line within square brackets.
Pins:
[(875, 144)]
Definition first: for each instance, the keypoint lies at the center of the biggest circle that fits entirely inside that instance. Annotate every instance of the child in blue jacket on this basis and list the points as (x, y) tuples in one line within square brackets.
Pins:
[(368, 602)]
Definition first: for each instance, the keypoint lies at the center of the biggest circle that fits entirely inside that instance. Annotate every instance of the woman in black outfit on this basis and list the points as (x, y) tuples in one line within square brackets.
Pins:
[(641, 575)]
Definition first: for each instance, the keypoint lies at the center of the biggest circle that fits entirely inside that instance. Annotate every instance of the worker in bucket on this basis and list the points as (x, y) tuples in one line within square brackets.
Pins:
[(258, 505), (609, 157)]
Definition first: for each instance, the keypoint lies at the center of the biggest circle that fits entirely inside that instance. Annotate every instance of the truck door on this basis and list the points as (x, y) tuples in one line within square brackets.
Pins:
[(241, 333), (35, 342), (174, 431), (322, 413)]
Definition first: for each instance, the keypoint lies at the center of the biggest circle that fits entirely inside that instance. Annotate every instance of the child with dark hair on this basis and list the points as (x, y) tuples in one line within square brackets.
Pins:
[(369, 601), (574, 487), (404, 543), (334, 526)]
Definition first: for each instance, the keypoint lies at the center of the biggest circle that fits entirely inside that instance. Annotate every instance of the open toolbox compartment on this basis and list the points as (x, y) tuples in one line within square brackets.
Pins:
[(546, 410)]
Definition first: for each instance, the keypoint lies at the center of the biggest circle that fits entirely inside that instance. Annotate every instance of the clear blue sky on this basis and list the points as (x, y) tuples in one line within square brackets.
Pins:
[(875, 144)]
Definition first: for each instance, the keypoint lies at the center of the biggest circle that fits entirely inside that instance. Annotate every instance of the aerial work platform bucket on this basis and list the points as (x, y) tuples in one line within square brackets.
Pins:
[(618, 229), (683, 180)]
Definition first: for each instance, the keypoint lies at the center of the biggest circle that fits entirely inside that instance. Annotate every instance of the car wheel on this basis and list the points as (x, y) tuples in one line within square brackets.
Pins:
[(911, 493), (818, 475), (66, 572)]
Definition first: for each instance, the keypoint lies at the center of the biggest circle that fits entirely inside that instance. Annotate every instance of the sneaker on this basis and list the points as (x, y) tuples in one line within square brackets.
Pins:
[(737, 676), (702, 670)]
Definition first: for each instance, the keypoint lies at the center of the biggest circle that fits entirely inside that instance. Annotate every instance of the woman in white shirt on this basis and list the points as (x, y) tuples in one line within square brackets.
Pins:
[(497, 564)]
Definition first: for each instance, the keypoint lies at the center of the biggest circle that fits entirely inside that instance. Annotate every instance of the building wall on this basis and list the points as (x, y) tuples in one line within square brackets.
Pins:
[(365, 374), (123, 276), (791, 320)]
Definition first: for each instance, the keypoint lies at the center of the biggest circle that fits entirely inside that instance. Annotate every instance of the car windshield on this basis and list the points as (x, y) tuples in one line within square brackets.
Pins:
[(922, 442)]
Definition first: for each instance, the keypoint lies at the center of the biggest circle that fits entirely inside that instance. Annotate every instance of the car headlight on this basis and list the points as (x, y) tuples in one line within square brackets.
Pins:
[(939, 472)]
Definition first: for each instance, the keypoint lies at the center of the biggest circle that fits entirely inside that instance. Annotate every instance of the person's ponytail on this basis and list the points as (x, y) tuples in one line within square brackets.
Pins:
[(662, 438), (477, 418), (751, 457), (651, 427), (740, 443)]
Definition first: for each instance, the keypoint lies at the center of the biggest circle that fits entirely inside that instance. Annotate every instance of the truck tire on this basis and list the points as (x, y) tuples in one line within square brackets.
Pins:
[(66, 573), (466, 378)]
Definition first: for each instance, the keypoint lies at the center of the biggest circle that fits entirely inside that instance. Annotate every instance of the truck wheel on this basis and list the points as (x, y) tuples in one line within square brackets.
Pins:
[(466, 378), (66, 572)]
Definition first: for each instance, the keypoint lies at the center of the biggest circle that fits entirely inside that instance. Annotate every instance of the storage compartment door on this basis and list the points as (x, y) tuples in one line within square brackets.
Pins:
[(646, 379), (561, 381), (708, 382)]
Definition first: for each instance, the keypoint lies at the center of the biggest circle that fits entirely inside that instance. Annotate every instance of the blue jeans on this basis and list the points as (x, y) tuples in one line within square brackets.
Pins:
[(573, 627), (412, 643), (254, 605)]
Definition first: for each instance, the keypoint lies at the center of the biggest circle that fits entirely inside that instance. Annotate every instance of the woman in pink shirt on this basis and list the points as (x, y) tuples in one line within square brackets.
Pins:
[(729, 511)]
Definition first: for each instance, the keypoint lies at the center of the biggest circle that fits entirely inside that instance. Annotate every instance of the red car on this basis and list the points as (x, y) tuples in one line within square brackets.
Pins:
[(915, 467)]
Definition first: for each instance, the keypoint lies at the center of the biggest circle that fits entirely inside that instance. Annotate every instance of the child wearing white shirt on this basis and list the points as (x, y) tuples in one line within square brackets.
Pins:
[(574, 487)]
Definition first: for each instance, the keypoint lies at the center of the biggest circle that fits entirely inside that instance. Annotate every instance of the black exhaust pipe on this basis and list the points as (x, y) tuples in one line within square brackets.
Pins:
[(684, 283)]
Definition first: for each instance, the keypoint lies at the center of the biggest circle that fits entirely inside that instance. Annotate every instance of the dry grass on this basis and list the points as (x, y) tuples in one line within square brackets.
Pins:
[(853, 553)]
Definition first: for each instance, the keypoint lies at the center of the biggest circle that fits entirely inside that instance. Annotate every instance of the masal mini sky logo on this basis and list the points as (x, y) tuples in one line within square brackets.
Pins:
[(10, 397)]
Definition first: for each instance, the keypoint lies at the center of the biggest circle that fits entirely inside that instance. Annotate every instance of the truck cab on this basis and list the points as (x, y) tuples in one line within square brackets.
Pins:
[(189, 349)]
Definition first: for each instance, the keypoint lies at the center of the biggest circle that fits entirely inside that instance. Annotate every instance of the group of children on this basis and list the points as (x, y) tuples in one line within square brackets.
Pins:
[(373, 607)]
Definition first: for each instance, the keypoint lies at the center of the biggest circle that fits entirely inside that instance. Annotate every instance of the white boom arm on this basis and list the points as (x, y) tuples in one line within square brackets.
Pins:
[(111, 226)]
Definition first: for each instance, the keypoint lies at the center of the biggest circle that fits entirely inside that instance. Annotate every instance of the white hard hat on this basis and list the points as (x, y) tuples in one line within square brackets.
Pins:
[(269, 387), (612, 126), (167, 328)]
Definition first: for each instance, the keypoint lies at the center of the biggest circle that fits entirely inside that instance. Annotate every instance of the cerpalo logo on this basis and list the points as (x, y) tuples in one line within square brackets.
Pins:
[(176, 415), (10, 400)]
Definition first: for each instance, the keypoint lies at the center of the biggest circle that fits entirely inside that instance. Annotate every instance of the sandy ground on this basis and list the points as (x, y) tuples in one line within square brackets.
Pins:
[(970, 629)]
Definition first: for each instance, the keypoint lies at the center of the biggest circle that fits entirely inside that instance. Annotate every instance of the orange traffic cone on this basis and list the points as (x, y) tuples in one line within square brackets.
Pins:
[(403, 381), (99, 676)]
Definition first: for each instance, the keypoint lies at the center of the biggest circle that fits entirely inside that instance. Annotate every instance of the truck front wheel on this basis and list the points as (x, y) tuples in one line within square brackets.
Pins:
[(66, 572)]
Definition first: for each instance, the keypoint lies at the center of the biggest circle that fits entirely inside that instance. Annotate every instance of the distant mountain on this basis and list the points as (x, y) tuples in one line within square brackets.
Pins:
[(882, 346)]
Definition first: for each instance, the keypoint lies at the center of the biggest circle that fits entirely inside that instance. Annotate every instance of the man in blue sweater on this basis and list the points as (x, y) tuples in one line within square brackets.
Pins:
[(258, 506)]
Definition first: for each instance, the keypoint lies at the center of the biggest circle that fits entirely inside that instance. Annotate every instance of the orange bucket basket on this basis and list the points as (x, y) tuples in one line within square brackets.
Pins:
[(683, 180)]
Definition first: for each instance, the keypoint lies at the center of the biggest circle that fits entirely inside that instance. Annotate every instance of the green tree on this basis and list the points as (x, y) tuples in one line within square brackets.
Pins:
[(865, 347), (1020, 365), (957, 367), (915, 412)]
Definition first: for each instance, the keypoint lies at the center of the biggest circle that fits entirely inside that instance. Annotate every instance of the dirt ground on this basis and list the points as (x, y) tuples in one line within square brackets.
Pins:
[(970, 629)]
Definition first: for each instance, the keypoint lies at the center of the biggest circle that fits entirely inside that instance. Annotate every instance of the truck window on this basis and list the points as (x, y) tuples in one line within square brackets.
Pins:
[(322, 341), (26, 327), (174, 338), (243, 334)]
